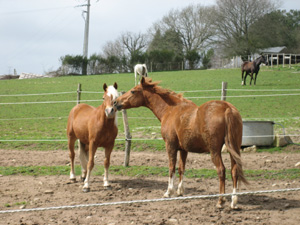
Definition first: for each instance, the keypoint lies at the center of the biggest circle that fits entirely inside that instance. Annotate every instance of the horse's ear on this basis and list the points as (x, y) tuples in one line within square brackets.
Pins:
[(104, 86), (116, 85), (143, 81)]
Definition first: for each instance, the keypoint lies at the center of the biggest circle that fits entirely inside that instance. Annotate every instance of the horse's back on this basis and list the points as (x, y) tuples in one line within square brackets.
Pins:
[(246, 66), (81, 111)]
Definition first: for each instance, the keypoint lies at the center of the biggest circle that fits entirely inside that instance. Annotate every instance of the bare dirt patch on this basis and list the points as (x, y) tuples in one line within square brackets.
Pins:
[(276, 208)]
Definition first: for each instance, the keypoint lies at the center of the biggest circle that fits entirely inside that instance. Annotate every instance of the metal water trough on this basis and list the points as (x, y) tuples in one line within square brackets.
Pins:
[(259, 133)]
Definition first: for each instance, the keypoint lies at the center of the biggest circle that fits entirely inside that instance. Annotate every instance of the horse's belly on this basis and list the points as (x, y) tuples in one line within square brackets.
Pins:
[(193, 143)]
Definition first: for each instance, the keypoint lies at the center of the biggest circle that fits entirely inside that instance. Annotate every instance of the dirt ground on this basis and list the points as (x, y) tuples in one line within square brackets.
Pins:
[(49, 191)]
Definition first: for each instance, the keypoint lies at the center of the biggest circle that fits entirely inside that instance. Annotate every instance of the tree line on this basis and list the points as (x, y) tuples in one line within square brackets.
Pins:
[(189, 38)]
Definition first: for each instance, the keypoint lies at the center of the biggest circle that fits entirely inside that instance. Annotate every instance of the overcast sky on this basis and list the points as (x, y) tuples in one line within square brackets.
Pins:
[(34, 34)]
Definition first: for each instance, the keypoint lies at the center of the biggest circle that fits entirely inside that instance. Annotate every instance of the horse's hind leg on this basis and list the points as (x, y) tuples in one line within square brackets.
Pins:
[(217, 160), (172, 154), (234, 176), (71, 143), (106, 166), (251, 75), (255, 78), (245, 77), (90, 166), (83, 157), (181, 169)]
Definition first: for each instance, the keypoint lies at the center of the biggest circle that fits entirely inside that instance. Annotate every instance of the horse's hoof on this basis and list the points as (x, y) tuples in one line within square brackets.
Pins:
[(107, 187), (73, 180), (167, 195), (82, 179), (86, 190), (219, 206), (235, 207), (179, 193), (221, 203)]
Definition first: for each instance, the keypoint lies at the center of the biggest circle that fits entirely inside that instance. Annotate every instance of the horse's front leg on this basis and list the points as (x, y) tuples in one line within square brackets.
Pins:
[(90, 166), (255, 78), (172, 154), (181, 169), (243, 83), (106, 166)]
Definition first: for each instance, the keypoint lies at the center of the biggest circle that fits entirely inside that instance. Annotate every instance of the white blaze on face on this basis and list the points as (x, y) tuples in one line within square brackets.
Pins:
[(110, 111), (111, 91)]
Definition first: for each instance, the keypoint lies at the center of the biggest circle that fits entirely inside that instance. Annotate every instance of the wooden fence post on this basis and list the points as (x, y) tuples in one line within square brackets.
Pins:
[(224, 91), (78, 93), (127, 137)]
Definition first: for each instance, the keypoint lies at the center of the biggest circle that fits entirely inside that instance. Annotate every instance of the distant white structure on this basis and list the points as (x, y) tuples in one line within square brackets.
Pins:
[(32, 76)]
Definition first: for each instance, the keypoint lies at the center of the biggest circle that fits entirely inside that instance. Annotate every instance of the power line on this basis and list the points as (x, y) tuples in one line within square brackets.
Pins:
[(33, 10)]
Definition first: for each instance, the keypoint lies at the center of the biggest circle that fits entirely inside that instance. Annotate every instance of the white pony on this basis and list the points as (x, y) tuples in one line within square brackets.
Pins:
[(140, 69)]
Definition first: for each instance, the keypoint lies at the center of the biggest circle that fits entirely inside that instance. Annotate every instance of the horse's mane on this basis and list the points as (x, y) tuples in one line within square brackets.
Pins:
[(164, 92)]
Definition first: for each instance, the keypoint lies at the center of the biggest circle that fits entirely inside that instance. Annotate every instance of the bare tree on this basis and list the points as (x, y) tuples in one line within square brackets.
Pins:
[(113, 48), (134, 42), (233, 19), (193, 24), (135, 45)]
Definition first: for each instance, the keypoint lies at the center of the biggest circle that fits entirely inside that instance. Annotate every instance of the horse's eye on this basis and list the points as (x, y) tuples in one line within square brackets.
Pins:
[(132, 92)]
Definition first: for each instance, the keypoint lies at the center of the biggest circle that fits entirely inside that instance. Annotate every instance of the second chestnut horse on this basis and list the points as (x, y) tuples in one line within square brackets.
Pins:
[(94, 127), (186, 127)]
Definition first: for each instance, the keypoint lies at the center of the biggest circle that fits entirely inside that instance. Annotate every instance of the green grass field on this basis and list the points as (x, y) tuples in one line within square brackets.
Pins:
[(47, 121)]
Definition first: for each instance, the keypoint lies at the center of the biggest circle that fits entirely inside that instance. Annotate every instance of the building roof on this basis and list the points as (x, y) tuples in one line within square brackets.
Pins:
[(274, 49)]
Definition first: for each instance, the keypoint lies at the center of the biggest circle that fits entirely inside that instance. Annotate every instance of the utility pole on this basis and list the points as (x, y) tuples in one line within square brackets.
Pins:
[(86, 38)]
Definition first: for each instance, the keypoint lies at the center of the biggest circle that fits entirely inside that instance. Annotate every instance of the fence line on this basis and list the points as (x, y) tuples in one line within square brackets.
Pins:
[(36, 118), (144, 118), (131, 139), (56, 93), (199, 97), (49, 102), (245, 96), (150, 200), (61, 117), (263, 90), (190, 91)]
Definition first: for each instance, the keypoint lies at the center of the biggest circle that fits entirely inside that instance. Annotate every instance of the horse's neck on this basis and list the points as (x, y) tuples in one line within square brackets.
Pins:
[(160, 104), (258, 61), (101, 114)]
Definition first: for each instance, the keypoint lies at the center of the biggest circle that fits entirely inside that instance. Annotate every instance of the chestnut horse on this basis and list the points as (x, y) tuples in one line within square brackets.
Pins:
[(185, 127), (252, 67), (94, 127)]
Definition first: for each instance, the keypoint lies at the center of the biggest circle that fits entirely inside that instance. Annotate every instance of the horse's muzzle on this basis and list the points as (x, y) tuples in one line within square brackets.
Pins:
[(110, 112), (117, 105)]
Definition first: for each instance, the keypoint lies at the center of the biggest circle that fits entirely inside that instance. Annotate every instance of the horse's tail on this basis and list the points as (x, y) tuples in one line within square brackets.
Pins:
[(233, 139)]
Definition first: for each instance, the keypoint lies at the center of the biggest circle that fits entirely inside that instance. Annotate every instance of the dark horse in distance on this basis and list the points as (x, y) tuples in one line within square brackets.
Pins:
[(252, 68)]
